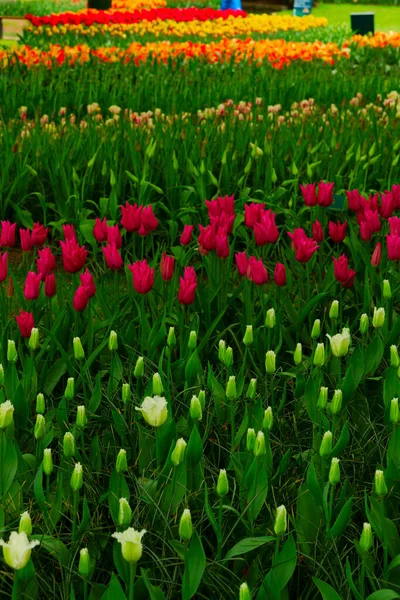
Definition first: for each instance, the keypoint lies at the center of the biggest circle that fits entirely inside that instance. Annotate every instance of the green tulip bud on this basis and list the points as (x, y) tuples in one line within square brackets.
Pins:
[(244, 592), (12, 355), (69, 445), (380, 483), (25, 524), (316, 329), (40, 404), (268, 420), (171, 339), (70, 389), (387, 292), (33, 343), (158, 387), (195, 409), (6, 414), (126, 393), (222, 484), (298, 354), (178, 453), (270, 319), (113, 341), (47, 462), (270, 362), (259, 447), (378, 320), (248, 336), (40, 427), (84, 567), (185, 525), (334, 310), (228, 358), (124, 513), (139, 367), (221, 350), (76, 478), (81, 418), (1, 374), (121, 464), (394, 410), (366, 539), (131, 544), (340, 342), (326, 445), (337, 399), (322, 398), (192, 340), (394, 357), (334, 472), (202, 398), (364, 323), (250, 440), (319, 355), (252, 389), (280, 520), (231, 392), (79, 353)]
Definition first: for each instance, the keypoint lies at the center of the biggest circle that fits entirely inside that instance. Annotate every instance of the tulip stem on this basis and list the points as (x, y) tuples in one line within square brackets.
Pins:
[(220, 529), (132, 575), (362, 578), (232, 424), (2, 453), (85, 588), (47, 487), (74, 516), (385, 548)]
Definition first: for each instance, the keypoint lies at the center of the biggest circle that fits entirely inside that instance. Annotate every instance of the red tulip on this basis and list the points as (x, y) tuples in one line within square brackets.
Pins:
[(365, 232), (337, 231), (69, 232), (73, 256), (112, 257), (325, 193), (186, 235), (7, 237), (149, 221), (50, 285), (393, 246), (25, 236), (252, 214), (304, 246), (46, 263), (266, 231), (222, 205), (142, 276), (371, 217), (206, 239), (187, 286), (100, 230), (3, 266), (376, 255), (317, 233), (39, 234), (256, 271), (242, 263), (32, 286), (342, 272), (280, 274), (167, 265), (114, 236), (354, 200), (222, 244), (88, 282), (396, 194), (81, 299), (25, 323), (394, 225), (223, 222), (309, 194), (131, 216), (387, 205)]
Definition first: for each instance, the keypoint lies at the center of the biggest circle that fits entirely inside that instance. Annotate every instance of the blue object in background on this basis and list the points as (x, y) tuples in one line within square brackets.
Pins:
[(302, 8), (231, 4)]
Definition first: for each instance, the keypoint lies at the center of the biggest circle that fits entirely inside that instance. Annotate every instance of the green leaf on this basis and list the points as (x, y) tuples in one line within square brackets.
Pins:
[(342, 520), (55, 548), (383, 595), (327, 591), (247, 545), (194, 568), (54, 375), (312, 483), (354, 375), (114, 590), (343, 440), (209, 511), (9, 459), (194, 450), (373, 356), (155, 592)]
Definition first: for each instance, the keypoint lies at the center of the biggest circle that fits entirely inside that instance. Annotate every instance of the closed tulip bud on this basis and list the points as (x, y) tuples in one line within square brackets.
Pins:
[(268, 420), (387, 292), (126, 392), (1, 374), (40, 404), (252, 389), (298, 354), (139, 367), (69, 445), (171, 339), (158, 387), (124, 513), (244, 592), (394, 410), (248, 336), (221, 350), (47, 462), (326, 445), (259, 447), (79, 353), (113, 341), (154, 410), (12, 355), (228, 358), (185, 525), (178, 453), (280, 520), (250, 440), (40, 427), (195, 409), (231, 392), (202, 398), (316, 329), (364, 323), (17, 551), (394, 356), (192, 340), (25, 523), (322, 398), (222, 484), (131, 544), (334, 472), (84, 567), (70, 389), (81, 418), (270, 362), (319, 356), (378, 320), (34, 339), (6, 414), (340, 342), (121, 464), (366, 539), (380, 483), (270, 319), (334, 310), (76, 478), (337, 400)]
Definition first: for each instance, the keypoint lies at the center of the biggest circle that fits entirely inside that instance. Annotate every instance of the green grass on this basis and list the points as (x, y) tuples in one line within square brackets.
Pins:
[(387, 18)]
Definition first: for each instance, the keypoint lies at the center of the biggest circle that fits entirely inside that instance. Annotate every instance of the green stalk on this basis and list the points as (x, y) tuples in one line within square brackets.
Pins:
[(385, 548), (132, 575), (232, 406), (74, 516), (219, 554)]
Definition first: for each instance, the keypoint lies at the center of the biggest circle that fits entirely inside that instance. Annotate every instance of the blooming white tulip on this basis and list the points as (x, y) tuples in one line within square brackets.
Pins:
[(340, 342), (154, 410), (131, 543), (17, 550), (6, 414)]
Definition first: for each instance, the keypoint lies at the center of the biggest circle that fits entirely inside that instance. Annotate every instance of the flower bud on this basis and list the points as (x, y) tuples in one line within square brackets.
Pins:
[(81, 418), (47, 462), (6, 414), (139, 367), (259, 447), (25, 523), (270, 362), (154, 410), (319, 356), (70, 389), (40, 404), (1, 374), (366, 539), (337, 399), (334, 472), (79, 353), (231, 392), (228, 357), (171, 339), (394, 356), (113, 341), (221, 350), (121, 464), (340, 343), (252, 389), (250, 440), (185, 525), (380, 483), (222, 484), (270, 319), (126, 392), (17, 550), (131, 544), (248, 336), (178, 453), (298, 354), (378, 320), (387, 292), (326, 445), (364, 323), (334, 310), (268, 420), (76, 478), (158, 387), (40, 427), (124, 513), (33, 343), (316, 329), (244, 592), (69, 445), (192, 340), (195, 409), (84, 567), (322, 398), (202, 398), (280, 520), (394, 410), (12, 355)]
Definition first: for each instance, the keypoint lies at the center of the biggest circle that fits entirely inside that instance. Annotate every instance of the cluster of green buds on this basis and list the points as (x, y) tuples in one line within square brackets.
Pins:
[(225, 354)]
